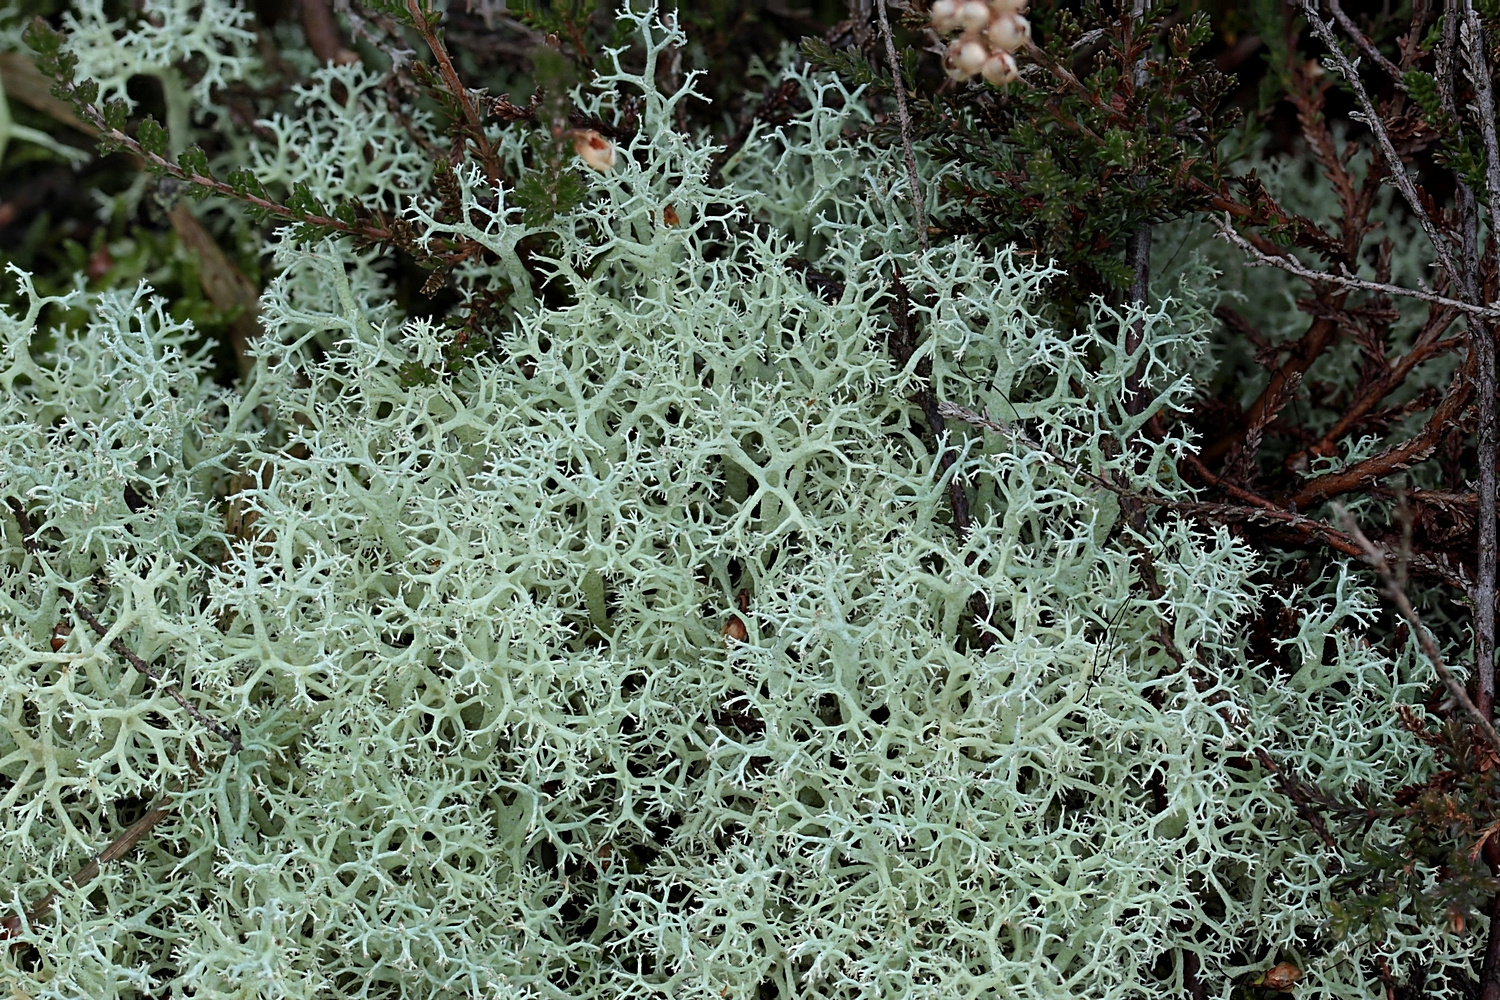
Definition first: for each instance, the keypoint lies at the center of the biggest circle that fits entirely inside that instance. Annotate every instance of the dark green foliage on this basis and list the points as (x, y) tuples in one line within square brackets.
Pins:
[(1460, 151), (413, 375), (86, 92), (246, 184), (1121, 133), (302, 203), (850, 64), (151, 136), (579, 26), (47, 42), (194, 161), (396, 9), (543, 194)]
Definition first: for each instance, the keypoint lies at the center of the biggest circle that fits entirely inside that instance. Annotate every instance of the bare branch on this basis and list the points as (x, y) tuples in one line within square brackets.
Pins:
[(1482, 343), (118, 848), (1484, 107), (1292, 266), (1395, 458), (1257, 509), (1365, 45), (1138, 254), (905, 120)]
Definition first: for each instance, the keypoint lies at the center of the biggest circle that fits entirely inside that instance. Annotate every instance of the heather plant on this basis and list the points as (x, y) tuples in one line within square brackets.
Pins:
[(722, 579)]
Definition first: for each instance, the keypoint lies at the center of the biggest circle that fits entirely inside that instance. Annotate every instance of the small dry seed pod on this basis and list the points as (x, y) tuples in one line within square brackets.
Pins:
[(1282, 977), (973, 15), (1000, 69), (595, 150), (100, 264), (735, 628), (1009, 32), (945, 16)]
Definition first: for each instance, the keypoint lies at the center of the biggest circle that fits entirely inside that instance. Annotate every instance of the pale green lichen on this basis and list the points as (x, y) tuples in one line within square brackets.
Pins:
[(496, 743)]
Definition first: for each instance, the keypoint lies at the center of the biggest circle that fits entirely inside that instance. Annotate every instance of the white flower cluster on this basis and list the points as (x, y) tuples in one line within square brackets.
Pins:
[(991, 33)]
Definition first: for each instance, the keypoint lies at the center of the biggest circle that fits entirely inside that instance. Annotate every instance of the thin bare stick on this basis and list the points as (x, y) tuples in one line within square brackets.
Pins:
[(1292, 266), (28, 541), (118, 848), (1397, 595), (1484, 106), (1365, 45), (1483, 344), (1138, 254), (905, 120), (141, 666)]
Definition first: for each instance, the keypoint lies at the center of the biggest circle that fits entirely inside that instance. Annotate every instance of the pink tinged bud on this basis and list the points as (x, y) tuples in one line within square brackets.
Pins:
[(597, 151), (973, 15), (1009, 32), (1001, 7), (945, 16), (1000, 68), (950, 61)]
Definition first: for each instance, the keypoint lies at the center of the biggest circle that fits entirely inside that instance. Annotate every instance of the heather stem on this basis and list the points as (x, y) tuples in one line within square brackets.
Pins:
[(905, 120)]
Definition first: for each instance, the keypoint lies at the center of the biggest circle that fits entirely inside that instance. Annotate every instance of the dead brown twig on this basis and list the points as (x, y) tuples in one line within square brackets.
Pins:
[(1255, 507), (12, 926)]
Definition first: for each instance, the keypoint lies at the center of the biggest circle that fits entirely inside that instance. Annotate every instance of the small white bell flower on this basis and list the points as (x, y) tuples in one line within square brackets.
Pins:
[(950, 60), (1000, 68), (973, 15), (945, 16), (971, 56), (1009, 32)]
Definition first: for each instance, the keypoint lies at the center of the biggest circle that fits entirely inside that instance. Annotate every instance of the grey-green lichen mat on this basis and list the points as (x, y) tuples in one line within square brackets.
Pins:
[(499, 739)]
